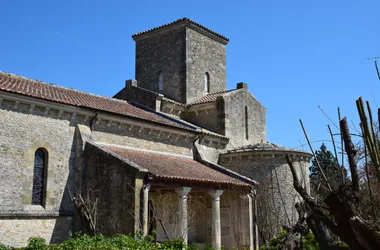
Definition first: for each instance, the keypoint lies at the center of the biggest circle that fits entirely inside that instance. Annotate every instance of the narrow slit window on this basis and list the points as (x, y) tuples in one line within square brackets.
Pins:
[(207, 82), (39, 176), (160, 83), (246, 123)]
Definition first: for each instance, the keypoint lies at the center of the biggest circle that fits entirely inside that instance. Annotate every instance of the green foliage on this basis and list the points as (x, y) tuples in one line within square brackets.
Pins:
[(4, 247), (117, 242), (208, 246), (275, 241), (308, 242), (36, 243), (332, 171)]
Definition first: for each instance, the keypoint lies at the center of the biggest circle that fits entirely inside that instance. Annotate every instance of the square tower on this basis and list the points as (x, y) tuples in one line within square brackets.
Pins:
[(182, 60)]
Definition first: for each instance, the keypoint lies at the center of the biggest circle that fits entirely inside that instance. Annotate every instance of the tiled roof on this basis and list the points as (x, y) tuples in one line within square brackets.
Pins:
[(209, 98), (51, 92), (266, 147), (182, 20), (175, 168)]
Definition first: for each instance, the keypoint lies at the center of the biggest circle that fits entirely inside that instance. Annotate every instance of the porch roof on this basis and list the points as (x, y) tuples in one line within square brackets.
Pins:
[(175, 168)]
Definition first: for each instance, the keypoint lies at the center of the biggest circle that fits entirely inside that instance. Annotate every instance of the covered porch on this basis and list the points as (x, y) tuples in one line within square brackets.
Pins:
[(179, 197)]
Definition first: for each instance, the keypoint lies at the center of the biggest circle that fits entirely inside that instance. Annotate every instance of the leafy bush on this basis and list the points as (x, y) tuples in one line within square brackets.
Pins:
[(100, 242), (36, 243), (308, 242), (274, 243), (4, 247)]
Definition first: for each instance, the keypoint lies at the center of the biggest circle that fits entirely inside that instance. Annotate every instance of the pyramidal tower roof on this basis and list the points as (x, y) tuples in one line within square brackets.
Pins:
[(185, 22)]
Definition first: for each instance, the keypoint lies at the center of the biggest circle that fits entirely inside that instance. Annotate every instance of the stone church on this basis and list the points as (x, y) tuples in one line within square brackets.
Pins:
[(173, 152)]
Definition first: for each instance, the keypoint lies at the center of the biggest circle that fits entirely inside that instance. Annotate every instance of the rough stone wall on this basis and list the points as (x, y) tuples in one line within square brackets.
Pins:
[(183, 55), (234, 118), (133, 93), (113, 183), (145, 139), (209, 152), (22, 132), (16, 232), (163, 52), (206, 117), (204, 54), (276, 195)]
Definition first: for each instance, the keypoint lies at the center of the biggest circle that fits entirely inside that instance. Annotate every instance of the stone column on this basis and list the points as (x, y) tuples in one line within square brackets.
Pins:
[(216, 227), (255, 227), (182, 192), (137, 209), (145, 216), (250, 215)]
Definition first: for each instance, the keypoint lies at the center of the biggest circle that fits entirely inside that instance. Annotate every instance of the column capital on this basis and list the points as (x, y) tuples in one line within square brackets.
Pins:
[(215, 194), (183, 191), (147, 187), (244, 196)]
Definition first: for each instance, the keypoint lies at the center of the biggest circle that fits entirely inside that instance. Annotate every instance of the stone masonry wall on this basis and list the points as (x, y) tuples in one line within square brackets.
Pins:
[(22, 131), (133, 93), (20, 135), (276, 195), (163, 52), (206, 117), (16, 232), (113, 183), (234, 118), (204, 54), (143, 139)]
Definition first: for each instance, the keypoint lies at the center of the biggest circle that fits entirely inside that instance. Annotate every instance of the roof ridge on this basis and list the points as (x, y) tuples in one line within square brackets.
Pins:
[(210, 95), (12, 75), (222, 92), (186, 20)]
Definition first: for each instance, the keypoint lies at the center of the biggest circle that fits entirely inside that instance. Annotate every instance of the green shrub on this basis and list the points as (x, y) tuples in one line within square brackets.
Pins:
[(274, 242), (309, 242), (4, 247), (100, 242), (36, 243), (208, 246)]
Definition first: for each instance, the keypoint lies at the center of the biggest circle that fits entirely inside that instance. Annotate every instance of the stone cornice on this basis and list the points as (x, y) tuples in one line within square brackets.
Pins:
[(295, 155), (213, 141), (34, 213)]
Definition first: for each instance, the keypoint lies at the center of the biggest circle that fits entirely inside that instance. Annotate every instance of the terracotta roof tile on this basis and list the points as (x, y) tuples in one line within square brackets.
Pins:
[(209, 98), (51, 92), (171, 167), (183, 20), (266, 147)]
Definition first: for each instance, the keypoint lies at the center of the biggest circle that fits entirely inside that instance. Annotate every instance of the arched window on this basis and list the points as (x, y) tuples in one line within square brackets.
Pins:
[(246, 122), (39, 177), (160, 83), (207, 82)]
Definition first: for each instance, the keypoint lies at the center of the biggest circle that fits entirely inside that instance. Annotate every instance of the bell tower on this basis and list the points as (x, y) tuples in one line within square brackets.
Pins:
[(183, 60)]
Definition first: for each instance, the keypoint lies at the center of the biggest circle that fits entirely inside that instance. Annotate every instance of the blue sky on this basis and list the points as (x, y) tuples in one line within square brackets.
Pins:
[(295, 55)]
